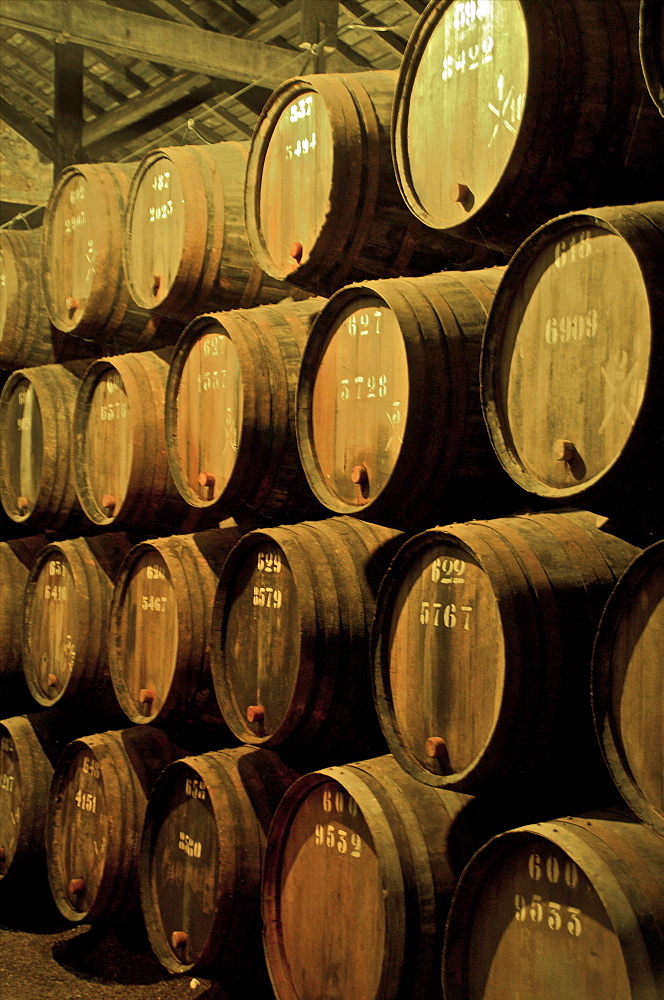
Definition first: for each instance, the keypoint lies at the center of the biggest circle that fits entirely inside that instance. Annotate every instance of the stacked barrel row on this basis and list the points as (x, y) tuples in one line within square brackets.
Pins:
[(483, 631)]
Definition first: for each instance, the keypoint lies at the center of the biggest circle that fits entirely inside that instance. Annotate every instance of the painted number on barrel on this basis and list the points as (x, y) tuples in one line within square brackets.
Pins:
[(7, 745), (301, 147), (152, 603), (577, 327), (448, 571), (574, 248), (451, 616), (557, 916), (269, 562), (195, 788), (267, 597), (113, 411), (334, 836), (86, 801), (6, 782), (161, 211), (364, 387), (192, 848), (211, 380), (162, 182), (55, 592), (549, 870), (302, 109), (76, 194), (75, 222), (92, 767), (365, 323), (154, 572)]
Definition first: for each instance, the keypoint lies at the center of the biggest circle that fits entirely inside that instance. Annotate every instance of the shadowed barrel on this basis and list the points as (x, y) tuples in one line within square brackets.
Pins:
[(16, 559)]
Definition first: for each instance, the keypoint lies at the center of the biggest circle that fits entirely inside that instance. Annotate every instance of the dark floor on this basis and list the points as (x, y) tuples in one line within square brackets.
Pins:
[(58, 962)]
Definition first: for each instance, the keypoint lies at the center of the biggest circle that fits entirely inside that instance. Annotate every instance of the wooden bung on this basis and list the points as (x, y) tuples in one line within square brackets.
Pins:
[(160, 625), (573, 362), (201, 863), (185, 248), (290, 637), (508, 113), (120, 463), (481, 652), (328, 135), (230, 412), (628, 685), (574, 907), (36, 467), (65, 624), (390, 426), (97, 805)]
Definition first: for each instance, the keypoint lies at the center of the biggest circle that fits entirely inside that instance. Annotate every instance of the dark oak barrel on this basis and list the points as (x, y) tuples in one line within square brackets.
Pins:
[(16, 558), (230, 412), (573, 362), (573, 907), (390, 424), (30, 746), (482, 645), (360, 868), (628, 685), (185, 248), (27, 337), (83, 281), (97, 805), (120, 462), (322, 206), (290, 637), (36, 467), (160, 627), (651, 48), (201, 863), (65, 624), (508, 113)]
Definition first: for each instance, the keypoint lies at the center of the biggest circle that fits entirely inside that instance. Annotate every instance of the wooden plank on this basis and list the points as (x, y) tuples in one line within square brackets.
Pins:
[(27, 127), (90, 23)]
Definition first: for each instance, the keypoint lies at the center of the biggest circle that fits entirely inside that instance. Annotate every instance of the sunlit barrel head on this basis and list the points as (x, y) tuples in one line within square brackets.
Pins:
[(292, 191), (145, 634), (155, 230), (104, 453), (353, 402), (207, 413), (466, 55), (53, 629), (260, 642), (570, 359), (22, 448), (72, 249)]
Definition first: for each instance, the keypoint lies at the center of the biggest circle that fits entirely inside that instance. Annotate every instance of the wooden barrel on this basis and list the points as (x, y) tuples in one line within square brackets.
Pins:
[(482, 645), (36, 469), (160, 627), (29, 749), (230, 412), (572, 908), (628, 685), (360, 868), (16, 559), (573, 361), (328, 135), (65, 623), (120, 462), (651, 48), (390, 424), (290, 637), (560, 117), (95, 819), (26, 335), (83, 281), (201, 863), (185, 249)]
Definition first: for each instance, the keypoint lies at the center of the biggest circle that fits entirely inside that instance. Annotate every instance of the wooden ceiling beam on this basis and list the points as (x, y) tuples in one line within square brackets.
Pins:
[(23, 122), (90, 23)]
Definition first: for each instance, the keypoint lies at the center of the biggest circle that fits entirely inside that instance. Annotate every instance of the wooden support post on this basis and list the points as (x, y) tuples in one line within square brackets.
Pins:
[(68, 106), (318, 21)]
